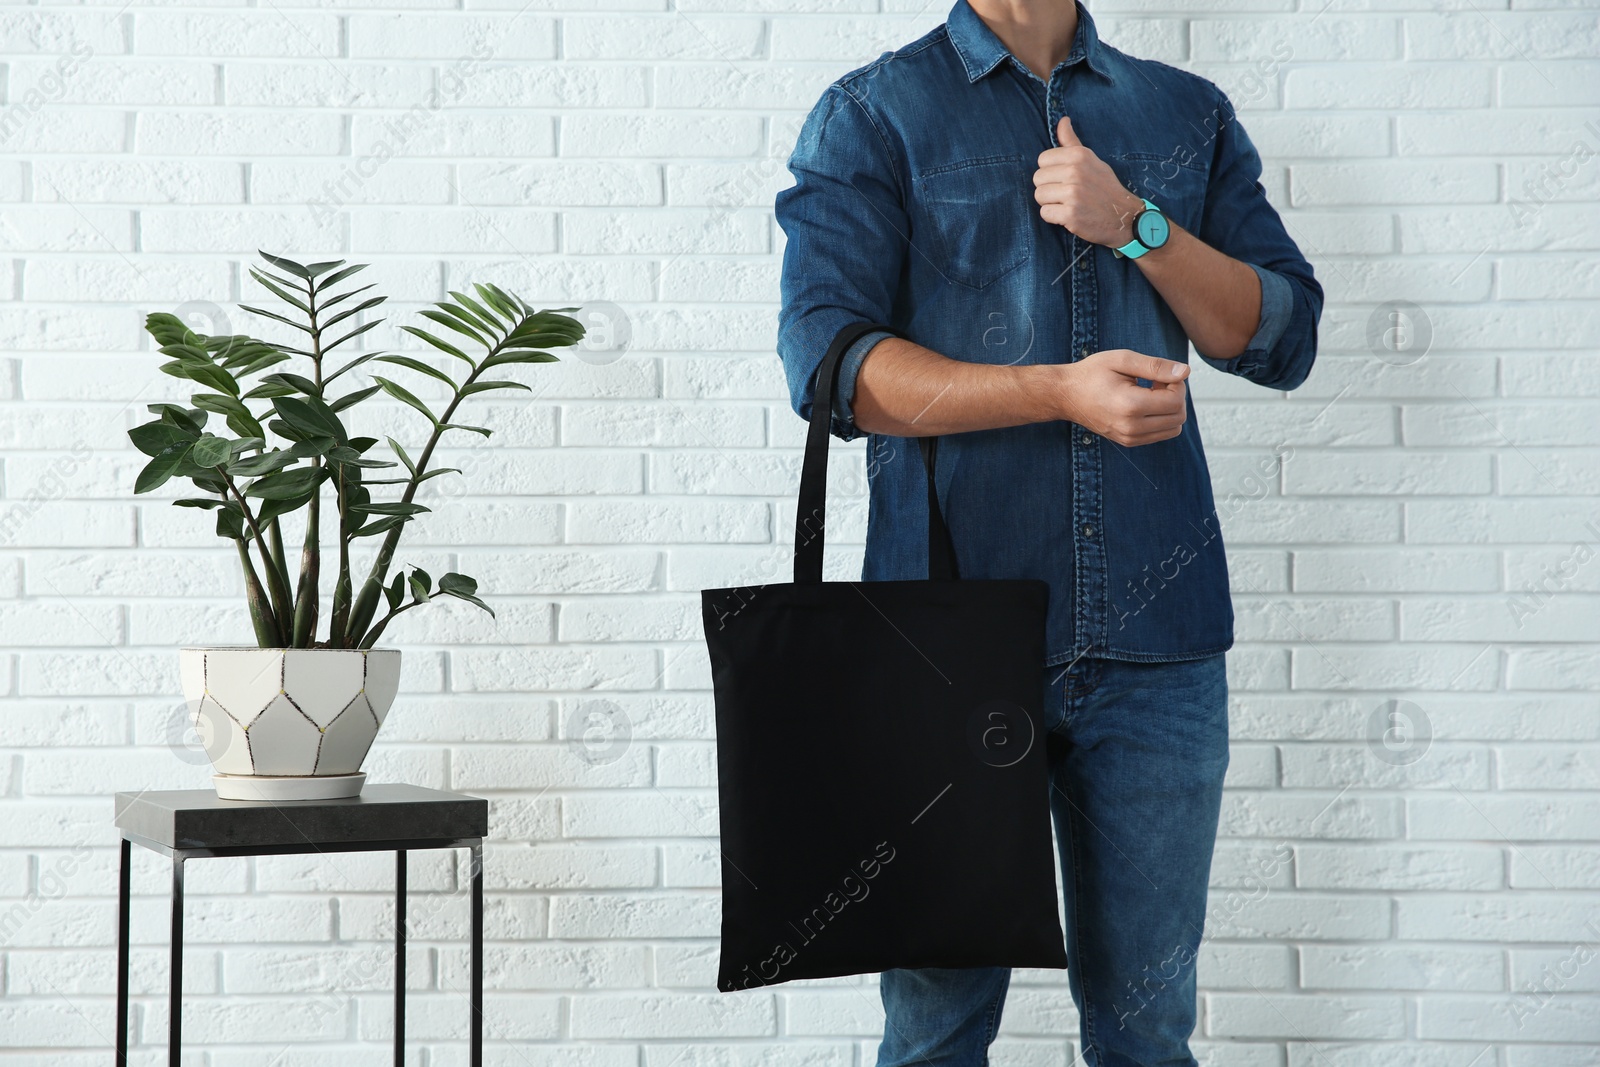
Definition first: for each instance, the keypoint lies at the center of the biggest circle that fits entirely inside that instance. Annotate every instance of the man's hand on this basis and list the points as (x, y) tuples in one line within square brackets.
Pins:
[(1102, 393), (1077, 189)]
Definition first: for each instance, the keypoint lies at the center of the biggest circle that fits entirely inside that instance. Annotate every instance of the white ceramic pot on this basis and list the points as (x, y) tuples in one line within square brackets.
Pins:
[(288, 723)]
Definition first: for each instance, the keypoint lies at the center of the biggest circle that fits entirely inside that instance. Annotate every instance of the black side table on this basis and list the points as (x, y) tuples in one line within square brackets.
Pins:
[(185, 824)]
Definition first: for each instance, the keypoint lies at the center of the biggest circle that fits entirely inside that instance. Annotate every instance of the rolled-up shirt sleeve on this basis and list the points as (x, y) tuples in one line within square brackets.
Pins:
[(845, 224), (1239, 221)]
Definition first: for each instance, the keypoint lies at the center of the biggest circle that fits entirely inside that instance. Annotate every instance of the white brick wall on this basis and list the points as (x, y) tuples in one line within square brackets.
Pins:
[(1427, 542)]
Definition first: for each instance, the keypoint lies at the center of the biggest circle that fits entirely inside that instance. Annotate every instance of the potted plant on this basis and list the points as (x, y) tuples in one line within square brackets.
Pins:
[(267, 446)]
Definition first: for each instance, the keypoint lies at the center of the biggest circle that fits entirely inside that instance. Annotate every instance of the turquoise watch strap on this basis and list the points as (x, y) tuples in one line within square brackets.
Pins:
[(1135, 248)]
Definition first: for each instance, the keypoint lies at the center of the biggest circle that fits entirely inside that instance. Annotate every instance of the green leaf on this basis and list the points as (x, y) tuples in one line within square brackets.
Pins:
[(453, 318), (462, 426), (404, 395), (401, 452), (296, 381), (458, 583), (267, 392), (370, 302), (285, 484), (272, 285), (268, 510), (489, 322), (312, 446), (315, 269), (436, 472), (327, 379), (394, 507), (383, 525), (338, 276), (349, 457), (443, 346), (211, 451), (156, 473), (396, 591), (183, 418), (154, 438), (209, 482), (311, 416), (257, 364), (419, 583), (420, 367), (484, 387), (230, 521), (468, 319), (462, 588), (302, 327), (342, 297), (237, 349), (357, 332), (203, 371), (168, 329), (240, 420), (287, 264), (513, 355), (256, 466), (494, 299), (198, 502), (351, 399)]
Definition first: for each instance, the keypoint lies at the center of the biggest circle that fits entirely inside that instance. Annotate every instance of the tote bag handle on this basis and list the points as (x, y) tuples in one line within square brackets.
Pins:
[(810, 519)]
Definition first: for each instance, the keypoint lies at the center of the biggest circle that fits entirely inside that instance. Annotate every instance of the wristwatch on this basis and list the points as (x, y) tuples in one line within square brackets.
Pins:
[(1150, 231)]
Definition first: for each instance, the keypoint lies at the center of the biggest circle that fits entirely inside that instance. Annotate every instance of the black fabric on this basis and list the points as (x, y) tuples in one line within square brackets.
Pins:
[(880, 759)]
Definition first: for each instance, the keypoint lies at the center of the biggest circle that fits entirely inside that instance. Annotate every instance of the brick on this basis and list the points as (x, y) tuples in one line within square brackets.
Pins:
[(474, 39), (1302, 1017), (1339, 39), (1353, 85), (665, 37), (675, 1015)]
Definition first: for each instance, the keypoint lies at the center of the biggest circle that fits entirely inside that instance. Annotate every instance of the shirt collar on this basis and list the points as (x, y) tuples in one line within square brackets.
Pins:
[(981, 51)]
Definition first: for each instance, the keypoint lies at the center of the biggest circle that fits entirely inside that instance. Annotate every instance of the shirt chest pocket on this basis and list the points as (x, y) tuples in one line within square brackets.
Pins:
[(1178, 189), (972, 221)]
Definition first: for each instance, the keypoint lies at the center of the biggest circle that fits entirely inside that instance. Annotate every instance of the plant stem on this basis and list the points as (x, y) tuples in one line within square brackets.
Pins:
[(366, 605), (307, 593), (377, 629), (281, 568), (279, 593), (261, 616), (338, 625)]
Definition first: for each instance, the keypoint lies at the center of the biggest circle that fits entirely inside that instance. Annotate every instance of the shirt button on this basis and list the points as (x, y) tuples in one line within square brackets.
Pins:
[(1086, 439), (1088, 531), (1084, 351)]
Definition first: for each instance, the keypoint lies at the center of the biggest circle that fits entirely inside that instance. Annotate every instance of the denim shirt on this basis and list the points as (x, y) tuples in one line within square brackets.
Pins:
[(913, 207)]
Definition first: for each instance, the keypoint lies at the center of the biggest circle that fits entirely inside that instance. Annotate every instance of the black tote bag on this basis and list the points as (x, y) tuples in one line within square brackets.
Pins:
[(880, 759)]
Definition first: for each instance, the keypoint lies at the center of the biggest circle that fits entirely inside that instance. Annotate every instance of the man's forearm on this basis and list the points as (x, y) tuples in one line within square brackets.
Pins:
[(1217, 298), (906, 390)]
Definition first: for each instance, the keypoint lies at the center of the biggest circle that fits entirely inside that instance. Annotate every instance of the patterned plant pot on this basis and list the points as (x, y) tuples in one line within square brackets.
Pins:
[(288, 723)]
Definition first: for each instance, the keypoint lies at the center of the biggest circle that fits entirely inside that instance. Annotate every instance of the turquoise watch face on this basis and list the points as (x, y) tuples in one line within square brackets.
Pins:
[(1151, 229)]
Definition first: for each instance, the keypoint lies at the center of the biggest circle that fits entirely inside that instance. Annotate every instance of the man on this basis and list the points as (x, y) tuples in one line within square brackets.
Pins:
[(1047, 224)]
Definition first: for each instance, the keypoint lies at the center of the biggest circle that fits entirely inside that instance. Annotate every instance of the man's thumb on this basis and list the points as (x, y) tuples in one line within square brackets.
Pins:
[(1065, 135), (1151, 368)]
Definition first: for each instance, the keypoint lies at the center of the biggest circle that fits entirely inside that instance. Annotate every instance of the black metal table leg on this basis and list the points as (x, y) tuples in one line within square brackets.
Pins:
[(400, 958), (124, 884), (175, 994), (477, 956)]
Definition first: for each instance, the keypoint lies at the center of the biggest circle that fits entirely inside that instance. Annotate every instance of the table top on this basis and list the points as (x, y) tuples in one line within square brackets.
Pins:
[(384, 812)]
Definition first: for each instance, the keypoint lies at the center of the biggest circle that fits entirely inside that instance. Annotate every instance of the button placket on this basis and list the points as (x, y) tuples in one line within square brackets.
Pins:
[(1090, 607)]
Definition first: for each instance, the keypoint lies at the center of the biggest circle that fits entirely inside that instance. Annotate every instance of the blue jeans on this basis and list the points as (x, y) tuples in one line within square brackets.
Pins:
[(1137, 756)]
